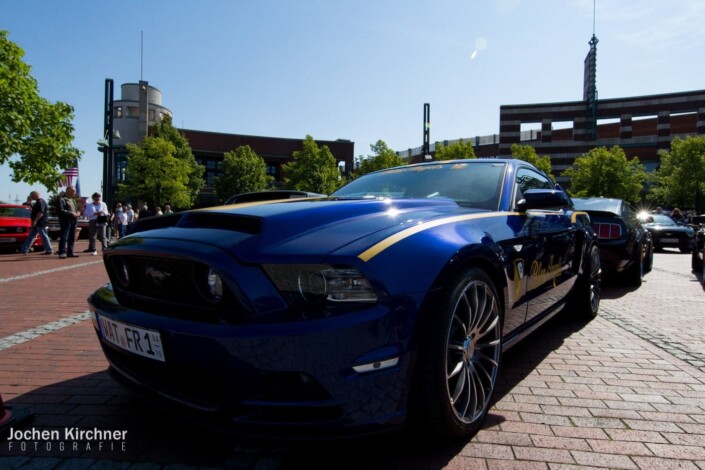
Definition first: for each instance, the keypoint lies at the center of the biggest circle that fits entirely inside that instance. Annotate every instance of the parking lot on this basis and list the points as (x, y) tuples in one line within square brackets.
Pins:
[(626, 390)]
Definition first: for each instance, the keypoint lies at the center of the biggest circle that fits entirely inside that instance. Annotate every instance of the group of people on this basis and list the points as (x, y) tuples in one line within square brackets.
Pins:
[(676, 215), (102, 223), (68, 213)]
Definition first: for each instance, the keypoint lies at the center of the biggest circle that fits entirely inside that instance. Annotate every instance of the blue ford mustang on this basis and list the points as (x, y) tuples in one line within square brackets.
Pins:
[(388, 302)]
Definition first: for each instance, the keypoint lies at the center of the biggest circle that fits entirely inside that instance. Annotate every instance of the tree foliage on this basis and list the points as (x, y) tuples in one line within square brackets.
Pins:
[(155, 174), (382, 157), (528, 154), (37, 132), (165, 129), (243, 171), (680, 179), (312, 169), (457, 151), (607, 173)]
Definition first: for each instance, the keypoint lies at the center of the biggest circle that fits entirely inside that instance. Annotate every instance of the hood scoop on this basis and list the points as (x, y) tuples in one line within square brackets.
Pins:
[(208, 220)]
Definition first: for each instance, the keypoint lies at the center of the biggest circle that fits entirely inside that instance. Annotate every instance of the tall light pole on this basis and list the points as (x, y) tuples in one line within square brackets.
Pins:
[(106, 146), (426, 131)]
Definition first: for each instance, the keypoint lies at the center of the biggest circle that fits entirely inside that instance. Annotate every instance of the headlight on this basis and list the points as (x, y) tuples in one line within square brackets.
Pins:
[(318, 283)]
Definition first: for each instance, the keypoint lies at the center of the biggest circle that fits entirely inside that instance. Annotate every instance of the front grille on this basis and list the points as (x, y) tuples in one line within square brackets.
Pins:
[(170, 287), (164, 279)]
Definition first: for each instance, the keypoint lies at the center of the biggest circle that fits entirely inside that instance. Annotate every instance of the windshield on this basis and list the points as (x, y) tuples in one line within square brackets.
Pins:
[(471, 184), (661, 220), (15, 212)]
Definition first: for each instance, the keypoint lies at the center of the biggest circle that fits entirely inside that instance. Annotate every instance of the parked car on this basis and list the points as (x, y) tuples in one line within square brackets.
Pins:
[(699, 249), (15, 224), (666, 233), (389, 302), (270, 196), (626, 247)]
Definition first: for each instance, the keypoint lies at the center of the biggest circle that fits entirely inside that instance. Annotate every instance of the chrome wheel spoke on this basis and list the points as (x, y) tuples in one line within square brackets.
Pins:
[(459, 385), (456, 370)]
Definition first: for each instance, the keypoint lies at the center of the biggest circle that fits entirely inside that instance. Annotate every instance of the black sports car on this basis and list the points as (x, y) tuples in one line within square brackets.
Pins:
[(699, 250), (665, 233), (389, 302), (625, 244)]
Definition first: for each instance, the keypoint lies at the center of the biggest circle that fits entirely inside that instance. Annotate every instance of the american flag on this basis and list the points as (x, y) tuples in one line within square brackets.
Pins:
[(70, 174)]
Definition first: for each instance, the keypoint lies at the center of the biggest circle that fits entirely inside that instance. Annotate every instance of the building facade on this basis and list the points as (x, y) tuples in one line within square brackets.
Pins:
[(563, 131), (140, 107)]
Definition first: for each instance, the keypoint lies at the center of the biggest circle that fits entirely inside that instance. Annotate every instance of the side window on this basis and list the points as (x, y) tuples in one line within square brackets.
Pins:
[(529, 179)]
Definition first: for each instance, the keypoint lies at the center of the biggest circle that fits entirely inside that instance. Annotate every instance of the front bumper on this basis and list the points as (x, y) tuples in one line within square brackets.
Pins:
[(288, 380)]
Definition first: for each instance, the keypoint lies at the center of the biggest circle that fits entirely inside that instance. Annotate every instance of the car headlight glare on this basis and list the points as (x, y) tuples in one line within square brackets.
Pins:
[(318, 283)]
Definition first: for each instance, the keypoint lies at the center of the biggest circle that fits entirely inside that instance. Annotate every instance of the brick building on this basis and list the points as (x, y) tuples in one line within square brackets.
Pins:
[(641, 125)]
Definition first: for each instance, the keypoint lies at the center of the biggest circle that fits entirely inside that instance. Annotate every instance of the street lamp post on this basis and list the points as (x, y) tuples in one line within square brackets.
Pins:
[(106, 146)]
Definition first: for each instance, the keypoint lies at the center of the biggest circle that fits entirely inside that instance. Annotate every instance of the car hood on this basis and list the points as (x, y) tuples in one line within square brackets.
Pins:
[(15, 221), (304, 228)]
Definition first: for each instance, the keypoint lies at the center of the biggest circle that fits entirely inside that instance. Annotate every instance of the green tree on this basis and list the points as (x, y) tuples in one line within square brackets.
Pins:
[(243, 171), (607, 173), (382, 157), (458, 151), (312, 169), (154, 174), (165, 129), (680, 179), (528, 154), (37, 132)]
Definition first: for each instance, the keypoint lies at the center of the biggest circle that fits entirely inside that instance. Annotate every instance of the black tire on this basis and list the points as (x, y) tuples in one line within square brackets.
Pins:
[(635, 274), (649, 263), (584, 300), (697, 260), (460, 358)]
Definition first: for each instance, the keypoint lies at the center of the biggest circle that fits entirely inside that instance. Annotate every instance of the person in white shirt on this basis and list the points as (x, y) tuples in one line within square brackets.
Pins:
[(96, 212)]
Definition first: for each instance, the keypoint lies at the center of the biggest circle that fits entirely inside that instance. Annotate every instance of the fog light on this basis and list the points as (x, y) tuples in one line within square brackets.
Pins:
[(215, 286)]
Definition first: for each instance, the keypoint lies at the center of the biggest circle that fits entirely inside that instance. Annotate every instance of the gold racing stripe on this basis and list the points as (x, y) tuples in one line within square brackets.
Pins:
[(376, 249), (258, 203), (574, 216)]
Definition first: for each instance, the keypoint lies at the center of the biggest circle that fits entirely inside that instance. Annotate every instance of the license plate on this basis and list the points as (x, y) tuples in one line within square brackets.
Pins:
[(140, 341), (669, 240), (8, 240)]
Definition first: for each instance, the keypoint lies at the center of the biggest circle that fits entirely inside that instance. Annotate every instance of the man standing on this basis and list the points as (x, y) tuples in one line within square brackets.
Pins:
[(130, 219), (97, 214), (68, 218), (39, 224)]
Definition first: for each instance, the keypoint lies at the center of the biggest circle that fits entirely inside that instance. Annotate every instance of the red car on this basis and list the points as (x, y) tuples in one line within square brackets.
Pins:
[(15, 224)]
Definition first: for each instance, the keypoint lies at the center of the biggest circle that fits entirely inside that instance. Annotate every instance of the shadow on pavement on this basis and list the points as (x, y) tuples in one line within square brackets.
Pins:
[(95, 401)]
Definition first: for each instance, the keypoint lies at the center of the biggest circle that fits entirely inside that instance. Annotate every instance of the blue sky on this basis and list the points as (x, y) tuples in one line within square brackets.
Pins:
[(351, 69)]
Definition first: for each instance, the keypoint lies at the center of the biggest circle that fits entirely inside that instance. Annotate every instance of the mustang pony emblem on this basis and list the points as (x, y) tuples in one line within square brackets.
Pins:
[(155, 277)]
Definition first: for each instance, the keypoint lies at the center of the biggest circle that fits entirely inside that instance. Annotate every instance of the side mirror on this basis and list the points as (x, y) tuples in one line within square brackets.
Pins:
[(543, 199)]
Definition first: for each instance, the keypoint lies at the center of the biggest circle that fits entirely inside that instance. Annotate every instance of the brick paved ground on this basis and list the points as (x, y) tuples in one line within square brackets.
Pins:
[(625, 391)]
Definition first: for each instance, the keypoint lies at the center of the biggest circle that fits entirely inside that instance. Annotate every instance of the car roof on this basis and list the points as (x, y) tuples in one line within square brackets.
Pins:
[(604, 204)]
